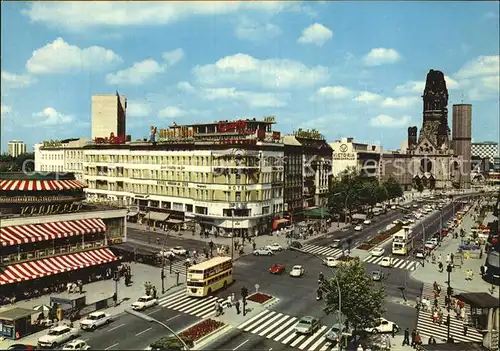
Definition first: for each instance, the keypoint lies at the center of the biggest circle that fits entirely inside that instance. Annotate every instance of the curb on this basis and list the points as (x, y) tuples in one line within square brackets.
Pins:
[(271, 302), (215, 334)]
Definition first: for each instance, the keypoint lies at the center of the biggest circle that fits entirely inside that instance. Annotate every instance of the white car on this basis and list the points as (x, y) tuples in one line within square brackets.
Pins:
[(358, 228), (430, 245), (166, 253), (57, 336), (396, 221), (297, 271), (144, 302), (414, 205), (331, 262), (393, 207), (95, 320), (377, 252), (263, 251), (386, 262), (383, 326), (411, 220), (274, 247), (76, 345), (367, 221), (179, 250)]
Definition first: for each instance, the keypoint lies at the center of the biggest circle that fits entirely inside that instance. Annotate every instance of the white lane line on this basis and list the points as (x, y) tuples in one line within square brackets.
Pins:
[(114, 328), (154, 311), (174, 317), (144, 331), (240, 345), (110, 347)]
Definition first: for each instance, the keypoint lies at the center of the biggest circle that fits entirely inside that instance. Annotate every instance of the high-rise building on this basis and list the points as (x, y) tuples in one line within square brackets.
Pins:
[(16, 148), (462, 136), (488, 150), (109, 115)]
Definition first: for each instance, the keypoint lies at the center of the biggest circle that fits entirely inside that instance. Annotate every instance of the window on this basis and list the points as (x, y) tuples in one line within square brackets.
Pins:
[(238, 196)]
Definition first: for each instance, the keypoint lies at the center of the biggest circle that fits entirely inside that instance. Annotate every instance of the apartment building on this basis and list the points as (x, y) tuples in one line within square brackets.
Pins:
[(16, 148), (293, 170), (363, 157), (108, 115), (226, 176)]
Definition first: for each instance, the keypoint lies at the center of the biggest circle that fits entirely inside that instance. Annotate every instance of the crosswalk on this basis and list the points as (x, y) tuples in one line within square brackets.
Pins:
[(427, 327), (280, 328), (194, 306), (321, 250), (180, 264), (398, 263)]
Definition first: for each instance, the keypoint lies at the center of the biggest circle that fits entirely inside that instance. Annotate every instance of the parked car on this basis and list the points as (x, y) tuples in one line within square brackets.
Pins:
[(297, 271), (76, 345), (179, 250), (95, 320), (166, 253), (337, 243), (144, 302), (367, 221), (57, 336), (430, 245), (358, 228), (378, 276), (382, 325), (377, 252), (386, 262), (307, 325), (277, 268), (393, 207), (295, 245), (336, 331), (331, 262), (263, 251), (274, 247)]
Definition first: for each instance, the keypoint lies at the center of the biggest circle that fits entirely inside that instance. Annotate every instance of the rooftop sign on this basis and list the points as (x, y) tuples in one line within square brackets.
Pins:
[(111, 140), (52, 143)]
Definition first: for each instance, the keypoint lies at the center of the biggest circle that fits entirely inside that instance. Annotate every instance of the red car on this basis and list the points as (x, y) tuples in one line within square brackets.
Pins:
[(277, 269)]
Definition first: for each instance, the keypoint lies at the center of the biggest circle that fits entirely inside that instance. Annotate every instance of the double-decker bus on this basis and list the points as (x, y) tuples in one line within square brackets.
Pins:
[(209, 276), (402, 241)]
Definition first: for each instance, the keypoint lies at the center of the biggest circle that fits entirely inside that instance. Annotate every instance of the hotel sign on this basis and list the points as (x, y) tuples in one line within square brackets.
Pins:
[(344, 156)]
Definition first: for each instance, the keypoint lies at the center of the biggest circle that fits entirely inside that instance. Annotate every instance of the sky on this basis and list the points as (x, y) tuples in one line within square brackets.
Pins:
[(347, 69)]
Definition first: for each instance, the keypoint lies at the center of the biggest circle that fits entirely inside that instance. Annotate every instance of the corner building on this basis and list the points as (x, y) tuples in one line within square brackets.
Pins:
[(225, 177)]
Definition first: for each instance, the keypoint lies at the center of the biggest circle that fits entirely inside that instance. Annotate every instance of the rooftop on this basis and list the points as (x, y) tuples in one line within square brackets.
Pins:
[(16, 313), (85, 208)]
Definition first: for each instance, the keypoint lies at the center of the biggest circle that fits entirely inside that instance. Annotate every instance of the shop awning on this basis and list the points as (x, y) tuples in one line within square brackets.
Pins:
[(174, 221), (157, 216), (54, 265), (29, 233), (40, 185)]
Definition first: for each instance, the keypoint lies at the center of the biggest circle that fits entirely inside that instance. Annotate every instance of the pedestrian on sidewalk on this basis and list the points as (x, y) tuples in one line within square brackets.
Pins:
[(406, 339), (80, 286), (432, 341), (237, 306)]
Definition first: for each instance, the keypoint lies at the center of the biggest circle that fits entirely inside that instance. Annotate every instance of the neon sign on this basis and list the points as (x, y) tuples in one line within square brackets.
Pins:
[(238, 126), (111, 140)]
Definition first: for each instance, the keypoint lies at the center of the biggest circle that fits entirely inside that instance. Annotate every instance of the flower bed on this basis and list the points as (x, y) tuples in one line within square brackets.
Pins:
[(198, 331), (365, 246), (259, 297)]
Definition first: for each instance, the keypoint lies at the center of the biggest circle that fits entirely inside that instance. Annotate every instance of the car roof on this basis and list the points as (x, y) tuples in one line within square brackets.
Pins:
[(145, 297), (75, 341), (297, 266), (60, 327), (96, 313), (307, 318)]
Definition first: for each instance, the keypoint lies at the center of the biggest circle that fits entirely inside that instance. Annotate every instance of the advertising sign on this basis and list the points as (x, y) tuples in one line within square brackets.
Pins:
[(111, 140)]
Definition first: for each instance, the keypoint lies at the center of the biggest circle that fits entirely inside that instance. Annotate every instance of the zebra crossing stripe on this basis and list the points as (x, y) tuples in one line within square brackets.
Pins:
[(263, 325), (201, 305), (181, 293), (296, 341), (316, 344), (288, 338), (265, 331), (312, 338), (244, 324), (277, 331), (258, 321), (321, 250)]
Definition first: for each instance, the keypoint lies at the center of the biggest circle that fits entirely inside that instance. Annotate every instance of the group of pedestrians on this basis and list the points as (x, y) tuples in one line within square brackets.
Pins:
[(416, 339), (230, 302)]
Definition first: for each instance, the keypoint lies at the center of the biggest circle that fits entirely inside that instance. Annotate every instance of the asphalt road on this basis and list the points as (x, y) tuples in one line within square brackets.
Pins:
[(239, 340), (148, 240), (128, 332)]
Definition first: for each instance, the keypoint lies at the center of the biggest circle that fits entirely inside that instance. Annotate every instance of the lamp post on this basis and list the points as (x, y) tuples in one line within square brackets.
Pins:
[(150, 319), (449, 268)]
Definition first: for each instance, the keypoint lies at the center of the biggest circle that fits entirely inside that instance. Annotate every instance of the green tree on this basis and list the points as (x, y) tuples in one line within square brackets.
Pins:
[(169, 343), (394, 189), (362, 298)]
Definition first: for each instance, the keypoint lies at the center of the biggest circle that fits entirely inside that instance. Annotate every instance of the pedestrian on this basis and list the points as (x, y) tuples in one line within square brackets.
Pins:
[(68, 286), (237, 306), (413, 335), (418, 339), (80, 286), (393, 331), (418, 302), (406, 339), (387, 343), (217, 309), (465, 329), (432, 340)]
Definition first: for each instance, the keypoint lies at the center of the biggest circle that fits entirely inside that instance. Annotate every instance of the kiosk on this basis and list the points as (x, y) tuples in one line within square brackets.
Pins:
[(16, 323)]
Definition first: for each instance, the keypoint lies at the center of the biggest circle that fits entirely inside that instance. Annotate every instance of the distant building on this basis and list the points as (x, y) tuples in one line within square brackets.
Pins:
[(16, 148), (488, 150), (461, 144), (109, 115), (365, 158)]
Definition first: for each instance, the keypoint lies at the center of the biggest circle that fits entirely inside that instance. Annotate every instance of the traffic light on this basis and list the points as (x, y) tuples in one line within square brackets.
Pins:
[(162, 274), (244, 292)]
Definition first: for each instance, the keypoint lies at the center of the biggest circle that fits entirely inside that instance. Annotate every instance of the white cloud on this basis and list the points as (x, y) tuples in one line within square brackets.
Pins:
[(402, 102), (417, 87), (381, 56), (173, 57), (249, 29), (316, 34), (5, 110), (480, 66), (138, 109), (51, 117), (83, 15), (384, 121), (139, 73), (186, 87), (61, 57), (492, 82), (16, 81), (171, 112), (252, 99), (333, 92), (270, 73), (367, 97)]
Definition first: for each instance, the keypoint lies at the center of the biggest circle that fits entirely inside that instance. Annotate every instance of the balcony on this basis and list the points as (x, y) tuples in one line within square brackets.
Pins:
[(49, 252)]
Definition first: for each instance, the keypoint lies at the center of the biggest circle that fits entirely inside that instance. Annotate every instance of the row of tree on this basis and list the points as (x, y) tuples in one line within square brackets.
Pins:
[(22, 162), (356, 191)]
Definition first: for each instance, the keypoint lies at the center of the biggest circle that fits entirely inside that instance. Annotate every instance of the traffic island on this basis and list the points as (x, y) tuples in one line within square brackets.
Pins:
[(380, 239), (263, 299), (200, 333)]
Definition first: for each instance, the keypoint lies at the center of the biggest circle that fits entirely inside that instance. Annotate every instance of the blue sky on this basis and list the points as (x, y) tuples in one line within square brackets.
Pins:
[(345, 68)]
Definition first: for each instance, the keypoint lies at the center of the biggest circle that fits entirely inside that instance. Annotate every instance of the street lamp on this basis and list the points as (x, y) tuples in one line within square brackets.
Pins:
[(150, 319)]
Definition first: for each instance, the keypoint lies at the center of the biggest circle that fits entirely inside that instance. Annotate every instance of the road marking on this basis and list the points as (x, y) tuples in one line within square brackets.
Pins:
[(107, 348), (114, 328), (240, 345), (142, 332), (174, 317), (158, 309), (85, 340)]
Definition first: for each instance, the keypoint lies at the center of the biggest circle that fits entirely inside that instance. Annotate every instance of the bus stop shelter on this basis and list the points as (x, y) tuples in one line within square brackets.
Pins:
[(16, 323)]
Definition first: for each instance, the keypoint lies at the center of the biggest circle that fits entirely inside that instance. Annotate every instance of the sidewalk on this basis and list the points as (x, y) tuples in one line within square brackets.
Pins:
[(98, 291)]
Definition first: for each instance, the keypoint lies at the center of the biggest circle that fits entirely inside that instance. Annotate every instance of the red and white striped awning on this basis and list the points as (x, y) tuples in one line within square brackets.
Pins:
[(30, 233), (54, 265), (39, 185)]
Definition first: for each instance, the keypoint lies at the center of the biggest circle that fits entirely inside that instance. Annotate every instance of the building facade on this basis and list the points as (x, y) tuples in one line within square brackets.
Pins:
[(225, 176), (462, 136), (488, 150), (109, 116), (348, 154), (16, 148), (49, 235), (293, 196)]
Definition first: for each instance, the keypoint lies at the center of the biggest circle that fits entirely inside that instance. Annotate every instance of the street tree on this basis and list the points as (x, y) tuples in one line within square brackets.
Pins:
[(394, 189), (362, 299)]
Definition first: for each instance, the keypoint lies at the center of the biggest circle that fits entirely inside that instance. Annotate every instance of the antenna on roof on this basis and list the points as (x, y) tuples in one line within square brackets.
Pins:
[(463, 97)]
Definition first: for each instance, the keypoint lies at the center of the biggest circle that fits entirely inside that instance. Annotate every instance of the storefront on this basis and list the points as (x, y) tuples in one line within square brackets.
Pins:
[(16, 323)]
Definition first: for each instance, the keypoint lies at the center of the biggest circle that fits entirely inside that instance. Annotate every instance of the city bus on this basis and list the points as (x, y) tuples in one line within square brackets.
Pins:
[(402, 242), (207, 277)]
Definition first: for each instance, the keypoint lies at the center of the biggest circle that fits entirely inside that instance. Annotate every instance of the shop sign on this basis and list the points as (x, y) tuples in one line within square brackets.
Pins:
[(344, 156), (237, 187), (175, 133), (115, 140), (238, 126)]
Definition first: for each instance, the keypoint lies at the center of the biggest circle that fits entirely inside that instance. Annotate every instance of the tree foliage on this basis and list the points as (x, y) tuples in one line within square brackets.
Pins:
[(168, 343), (24, 162), (362, 299)]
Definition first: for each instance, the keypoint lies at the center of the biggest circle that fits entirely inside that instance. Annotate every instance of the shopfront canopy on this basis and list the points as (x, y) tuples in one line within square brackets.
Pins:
[(40, 185), (54, 265), (157, 216), (30, 233)]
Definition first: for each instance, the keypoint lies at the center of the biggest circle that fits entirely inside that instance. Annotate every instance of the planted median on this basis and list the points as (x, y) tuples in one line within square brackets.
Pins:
[(380, 237)]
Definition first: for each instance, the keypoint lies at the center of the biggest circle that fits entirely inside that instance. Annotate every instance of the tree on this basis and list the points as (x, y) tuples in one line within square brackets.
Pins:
[(394, 189), (168, 343), (362, 299)]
